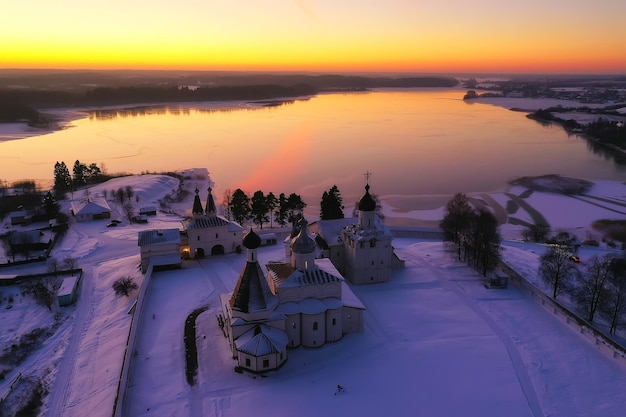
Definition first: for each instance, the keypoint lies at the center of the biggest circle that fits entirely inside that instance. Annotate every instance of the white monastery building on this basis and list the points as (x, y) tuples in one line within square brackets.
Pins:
[(208, 233), (159, 247), (300, 302), (361, 250)]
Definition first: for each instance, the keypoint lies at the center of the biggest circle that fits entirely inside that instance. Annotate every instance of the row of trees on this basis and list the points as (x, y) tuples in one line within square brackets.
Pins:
[(473, 234), (261, 208), (81, 174), (599, 286)]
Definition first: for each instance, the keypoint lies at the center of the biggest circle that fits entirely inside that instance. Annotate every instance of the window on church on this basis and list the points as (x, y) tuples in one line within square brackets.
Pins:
[(314, 325), (372, 243), (248, 362), (266, 363), (217, 236), (293, 325), (198, 237), (334, 321)]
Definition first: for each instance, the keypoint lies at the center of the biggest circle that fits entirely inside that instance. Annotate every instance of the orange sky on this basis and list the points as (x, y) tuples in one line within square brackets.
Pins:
[(325, 35)]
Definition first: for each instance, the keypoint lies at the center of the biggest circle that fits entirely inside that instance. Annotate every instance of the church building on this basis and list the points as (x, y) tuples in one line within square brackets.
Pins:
[(300, 302), (208, 233), (361, 249)]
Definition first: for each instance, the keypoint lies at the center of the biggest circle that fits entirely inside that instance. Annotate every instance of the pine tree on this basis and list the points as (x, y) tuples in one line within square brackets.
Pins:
[(62, 179), (259, 208), (295, 204), (282, 213), (240, 206), (79, 172), (272, 203), (331, 205), (50, 206)]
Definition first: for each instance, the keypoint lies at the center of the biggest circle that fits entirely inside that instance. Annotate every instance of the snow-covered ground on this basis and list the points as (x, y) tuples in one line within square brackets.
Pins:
[(436, 341)]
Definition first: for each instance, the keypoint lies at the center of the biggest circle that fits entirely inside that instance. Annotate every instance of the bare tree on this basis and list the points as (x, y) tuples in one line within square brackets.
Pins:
[(487, 244), (226, 204), (70, 263), (124, 286), (129, 211), (120, 193), (557, 269), (613, 307), (43, 290), (593, 284), (456, 220)]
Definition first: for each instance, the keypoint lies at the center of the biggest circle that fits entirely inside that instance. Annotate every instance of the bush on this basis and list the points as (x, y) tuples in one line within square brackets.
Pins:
[(124, 286)]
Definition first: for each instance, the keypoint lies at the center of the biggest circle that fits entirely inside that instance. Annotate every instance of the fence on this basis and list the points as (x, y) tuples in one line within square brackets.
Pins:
[(125, 375), (602, 342)]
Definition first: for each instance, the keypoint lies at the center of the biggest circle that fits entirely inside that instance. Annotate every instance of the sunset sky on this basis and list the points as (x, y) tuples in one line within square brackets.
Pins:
[(571, 36)]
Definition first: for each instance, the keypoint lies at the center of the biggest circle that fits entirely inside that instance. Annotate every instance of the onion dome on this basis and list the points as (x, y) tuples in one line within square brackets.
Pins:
[(367, 202), (251, 240), (303, 242)]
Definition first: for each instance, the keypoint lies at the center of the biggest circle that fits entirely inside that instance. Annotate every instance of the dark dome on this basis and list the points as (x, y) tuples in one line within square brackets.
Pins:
[(303, 242), (251, 240), (367, 203)]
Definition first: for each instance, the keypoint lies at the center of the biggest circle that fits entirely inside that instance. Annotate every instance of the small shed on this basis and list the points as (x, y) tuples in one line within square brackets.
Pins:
[(148, 211), (18, 217), (68, 291)]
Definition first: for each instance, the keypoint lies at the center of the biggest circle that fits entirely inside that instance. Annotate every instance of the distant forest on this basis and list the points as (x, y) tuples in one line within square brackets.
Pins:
[(21, 92)]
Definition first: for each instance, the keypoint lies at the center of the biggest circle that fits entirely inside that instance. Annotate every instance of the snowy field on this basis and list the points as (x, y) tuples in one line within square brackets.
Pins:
[(436, 341)]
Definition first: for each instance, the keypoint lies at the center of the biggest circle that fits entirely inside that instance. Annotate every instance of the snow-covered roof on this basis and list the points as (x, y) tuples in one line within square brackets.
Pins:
[(158, 237), (311, 306), (67, 286), (284, 275), (89, 207), (252, 292), (330, 230), (357, 232), (262, 340)]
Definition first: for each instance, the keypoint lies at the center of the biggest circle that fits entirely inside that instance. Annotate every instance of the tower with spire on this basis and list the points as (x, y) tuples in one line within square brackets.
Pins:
[(359, 248), (208, 233), (368, 253)]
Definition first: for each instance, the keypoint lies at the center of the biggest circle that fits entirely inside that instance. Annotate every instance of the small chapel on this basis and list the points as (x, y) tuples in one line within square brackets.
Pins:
[(207, 233), (302, 301)]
